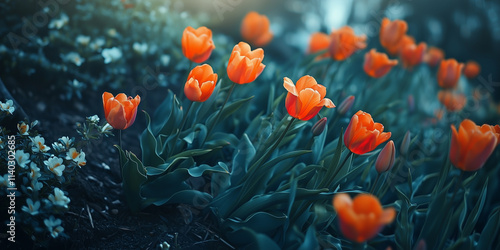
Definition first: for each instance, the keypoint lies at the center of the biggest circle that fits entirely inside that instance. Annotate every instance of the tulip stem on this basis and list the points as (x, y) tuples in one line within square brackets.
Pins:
[(219, 114), (375, 183), (184, 119)]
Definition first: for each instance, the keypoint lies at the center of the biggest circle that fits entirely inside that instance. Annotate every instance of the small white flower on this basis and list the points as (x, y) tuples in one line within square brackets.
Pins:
[(54, 226), (59, 23), (22, 158), (54, 164), (76, 84), (164, 245), (83, 40), (111, 55), (34, 171), (66, 142), (80, 160), (23, 128), (165, 60), (97, 44), (72, 154), (74, 58), (31, 208), (8, 106), (58, 198), (106, 128), (94, 118), (35, 186), (112, 33), (140, 48), (39, 144)]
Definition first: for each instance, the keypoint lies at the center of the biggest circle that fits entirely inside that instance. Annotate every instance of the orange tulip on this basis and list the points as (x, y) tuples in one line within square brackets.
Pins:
[(391, 33), (377, 64), (344, 43), (451, 100), (472, 69), (200, 84), (255, 29), (319, 41), (395, 49), (385, 159), (120, 111), (363, 135), (305, 99), (245, 64), (433, 56), (495, 129), (412, 54), (449, 73), (197, 44), (471, 146), (363, 217)]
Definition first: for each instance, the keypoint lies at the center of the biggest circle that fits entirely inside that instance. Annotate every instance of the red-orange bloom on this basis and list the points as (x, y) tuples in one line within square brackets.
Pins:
[(433, 56), (391, 33), (197, 44), (449, 73), (319, 41), (377, 64), (495, 129), (412, 54), (396, 49), (344, 43), (305, 99), (245, 64), (255, 29), (120, 111), (451, 100), (472, 69), (200, 84), (363, 135), (471, 146), (363, 217)]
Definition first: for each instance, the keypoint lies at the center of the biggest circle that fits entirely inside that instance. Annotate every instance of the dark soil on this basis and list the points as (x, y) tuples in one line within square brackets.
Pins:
[(98, 216)]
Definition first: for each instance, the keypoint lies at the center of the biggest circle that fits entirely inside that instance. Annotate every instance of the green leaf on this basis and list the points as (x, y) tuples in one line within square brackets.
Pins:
[(490, 231), (261, 222), (149, 146), (242, 158), (200, 170), (476, 211), (151, 171), (162, 113), (191, 153), (133, 175), (249, 239), (170, 126), (319, 144), (310, 242), (228, 110)]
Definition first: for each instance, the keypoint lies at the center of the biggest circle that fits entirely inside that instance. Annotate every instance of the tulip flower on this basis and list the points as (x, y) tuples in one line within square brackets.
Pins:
[(363, 217), (245, 64), (405, 145), (363, 135), (305, 99), (319, 126), (471, 146), (472, 69), (396, 49), (385, 159), (344, 43), (433, 56), (319, 41), (120, 111), (448, 73), (377, 64), (451, 100), (391, 33), (412, 54), (495, 129), (200, 84), (197, 44), (255, 29)]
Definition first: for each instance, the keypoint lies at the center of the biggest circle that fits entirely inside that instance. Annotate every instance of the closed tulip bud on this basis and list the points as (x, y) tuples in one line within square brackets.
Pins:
[(453, 101), (377, 64), (385, 159), (391, 32), (319, 41), (120, 111), (245, 64), (433, 56), (200, 84), (411, 103), (319, 127), (412, 55), (346, 105), (363, 135), (405, 145)]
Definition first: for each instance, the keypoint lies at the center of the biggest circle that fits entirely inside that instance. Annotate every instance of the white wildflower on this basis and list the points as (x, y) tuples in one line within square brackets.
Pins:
[(59, 23), (31, 208), (23, 128), (58, 198), (54, 164), (54, 226), (8, 106), (74, 58), (22, 158), (39, 144), (83, 40), (111, 55), (140, 48)]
